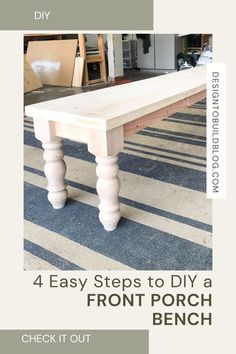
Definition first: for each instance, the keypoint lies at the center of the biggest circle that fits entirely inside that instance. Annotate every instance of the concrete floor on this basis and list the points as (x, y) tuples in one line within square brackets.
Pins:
[(47, 93)]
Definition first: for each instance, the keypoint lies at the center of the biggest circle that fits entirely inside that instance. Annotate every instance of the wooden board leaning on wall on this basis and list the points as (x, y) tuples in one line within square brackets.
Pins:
[(53, 60), (31, 80)]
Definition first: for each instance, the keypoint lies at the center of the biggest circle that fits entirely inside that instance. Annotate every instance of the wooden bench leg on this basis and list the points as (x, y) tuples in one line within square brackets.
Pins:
[(55, 167), (55, 170), (106, 145), (108, 187)]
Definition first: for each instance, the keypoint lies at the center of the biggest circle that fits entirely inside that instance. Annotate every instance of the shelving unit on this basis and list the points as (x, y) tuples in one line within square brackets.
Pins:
[(129, 54), (189, 42)]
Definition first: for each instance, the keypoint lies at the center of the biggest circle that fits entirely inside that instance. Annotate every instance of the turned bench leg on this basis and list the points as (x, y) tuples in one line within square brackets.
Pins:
[(108, 187), (55, 169), (105, 146)]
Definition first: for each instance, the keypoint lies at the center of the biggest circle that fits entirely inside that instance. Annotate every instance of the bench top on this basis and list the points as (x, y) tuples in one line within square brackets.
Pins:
[(111, 107)]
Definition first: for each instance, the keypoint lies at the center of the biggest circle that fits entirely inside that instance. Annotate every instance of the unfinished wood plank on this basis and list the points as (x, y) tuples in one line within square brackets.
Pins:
[(78, 72), (53, 60), (102, 64), (31, 80), (71, 132), (83, 54), (151, 118), (112, 107)]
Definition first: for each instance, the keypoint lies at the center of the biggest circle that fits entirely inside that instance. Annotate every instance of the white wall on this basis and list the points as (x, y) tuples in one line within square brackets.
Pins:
[(92, 40), (115, 55), (165, 51)]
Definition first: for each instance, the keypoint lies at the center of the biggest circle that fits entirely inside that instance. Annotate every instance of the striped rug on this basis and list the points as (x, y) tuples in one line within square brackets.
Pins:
[(166, 218)]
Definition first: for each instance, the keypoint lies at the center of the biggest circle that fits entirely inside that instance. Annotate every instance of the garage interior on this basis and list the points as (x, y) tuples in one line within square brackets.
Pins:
[(166, 219)]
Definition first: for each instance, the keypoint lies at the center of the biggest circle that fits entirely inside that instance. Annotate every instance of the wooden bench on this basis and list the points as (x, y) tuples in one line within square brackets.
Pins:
[(103, 119)]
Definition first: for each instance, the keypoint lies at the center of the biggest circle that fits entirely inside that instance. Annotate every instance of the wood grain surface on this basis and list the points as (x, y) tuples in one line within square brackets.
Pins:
[(115, 106)]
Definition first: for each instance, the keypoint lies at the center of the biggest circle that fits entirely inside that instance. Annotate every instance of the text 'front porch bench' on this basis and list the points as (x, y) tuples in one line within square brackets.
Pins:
[(103, 119)]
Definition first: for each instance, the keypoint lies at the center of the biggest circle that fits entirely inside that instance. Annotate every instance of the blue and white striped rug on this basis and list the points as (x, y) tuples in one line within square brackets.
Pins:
[(166, 223)]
